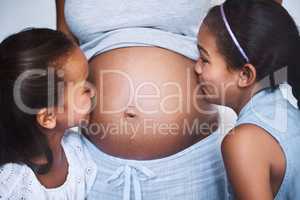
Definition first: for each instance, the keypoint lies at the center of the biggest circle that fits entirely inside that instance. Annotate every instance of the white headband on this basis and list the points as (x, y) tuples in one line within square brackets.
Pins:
[(237, 44)]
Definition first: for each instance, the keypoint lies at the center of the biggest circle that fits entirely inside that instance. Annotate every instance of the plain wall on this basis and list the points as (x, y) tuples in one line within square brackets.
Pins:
[(16, 15)]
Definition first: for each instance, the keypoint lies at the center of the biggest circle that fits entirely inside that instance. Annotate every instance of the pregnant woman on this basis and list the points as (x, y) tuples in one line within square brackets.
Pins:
[(151, 134)]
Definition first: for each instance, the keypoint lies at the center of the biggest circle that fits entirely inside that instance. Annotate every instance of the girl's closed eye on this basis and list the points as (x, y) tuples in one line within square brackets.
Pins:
[(83, 87), (86, 89), (203, 60), (203, 54)]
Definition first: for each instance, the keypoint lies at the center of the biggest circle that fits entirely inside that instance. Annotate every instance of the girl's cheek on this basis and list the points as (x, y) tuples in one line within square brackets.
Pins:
[(206, 75), (85, 103), (205, 72)]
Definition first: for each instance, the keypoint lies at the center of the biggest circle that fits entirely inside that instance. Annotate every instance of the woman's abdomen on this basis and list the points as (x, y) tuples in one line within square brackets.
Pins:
[(147, 103)]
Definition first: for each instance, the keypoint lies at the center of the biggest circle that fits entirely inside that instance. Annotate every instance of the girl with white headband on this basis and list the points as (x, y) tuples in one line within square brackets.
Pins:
[(242, 45)]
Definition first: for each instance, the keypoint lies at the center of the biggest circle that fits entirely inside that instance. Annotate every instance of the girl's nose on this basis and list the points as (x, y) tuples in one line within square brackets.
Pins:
[(198, 69)]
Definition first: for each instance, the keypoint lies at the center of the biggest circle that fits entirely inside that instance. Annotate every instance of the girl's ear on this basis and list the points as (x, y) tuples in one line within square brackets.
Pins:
[(46, 119), (247, 76)]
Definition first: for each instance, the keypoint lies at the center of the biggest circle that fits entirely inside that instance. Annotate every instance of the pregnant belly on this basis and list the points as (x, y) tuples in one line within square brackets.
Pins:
[(147, 103)]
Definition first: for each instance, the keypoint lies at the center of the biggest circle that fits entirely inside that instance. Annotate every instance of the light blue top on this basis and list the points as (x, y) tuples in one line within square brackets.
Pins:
[(103, 25), (272, 112)]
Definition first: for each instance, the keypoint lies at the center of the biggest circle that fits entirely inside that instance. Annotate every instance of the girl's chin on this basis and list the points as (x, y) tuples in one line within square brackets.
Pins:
[(211, 99), (209, 96)]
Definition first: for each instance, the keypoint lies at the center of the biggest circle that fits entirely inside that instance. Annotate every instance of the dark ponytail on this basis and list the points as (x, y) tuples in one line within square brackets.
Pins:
[(21, 137), (265, 31), (294, 71)]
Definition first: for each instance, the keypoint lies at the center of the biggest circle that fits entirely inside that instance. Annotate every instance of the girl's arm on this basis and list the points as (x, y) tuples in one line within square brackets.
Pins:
[(61, 24), (246, 155)]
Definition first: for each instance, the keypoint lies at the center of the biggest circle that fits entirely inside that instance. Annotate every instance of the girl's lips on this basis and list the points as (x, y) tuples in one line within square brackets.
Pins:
[(199, 80), (203, 91), (202, 85)]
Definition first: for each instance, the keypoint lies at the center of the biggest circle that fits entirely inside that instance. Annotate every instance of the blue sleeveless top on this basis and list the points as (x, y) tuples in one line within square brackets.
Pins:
[(103, 25), (272, 112)]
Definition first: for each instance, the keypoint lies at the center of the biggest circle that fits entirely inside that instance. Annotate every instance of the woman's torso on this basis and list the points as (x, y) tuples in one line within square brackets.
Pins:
[(150, 92), (145, 89), (88, 19)]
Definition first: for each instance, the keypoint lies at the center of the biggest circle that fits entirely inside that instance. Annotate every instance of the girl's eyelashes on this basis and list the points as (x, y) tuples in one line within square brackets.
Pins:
[(204, 60), (86, 89)]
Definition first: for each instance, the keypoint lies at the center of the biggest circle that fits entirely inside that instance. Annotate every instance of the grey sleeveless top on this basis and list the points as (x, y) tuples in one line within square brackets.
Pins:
[(103, 25), (272, 112)]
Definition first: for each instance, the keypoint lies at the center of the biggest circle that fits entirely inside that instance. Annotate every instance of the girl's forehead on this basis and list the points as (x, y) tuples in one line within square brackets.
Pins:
[(75, 68), (207, 40)]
